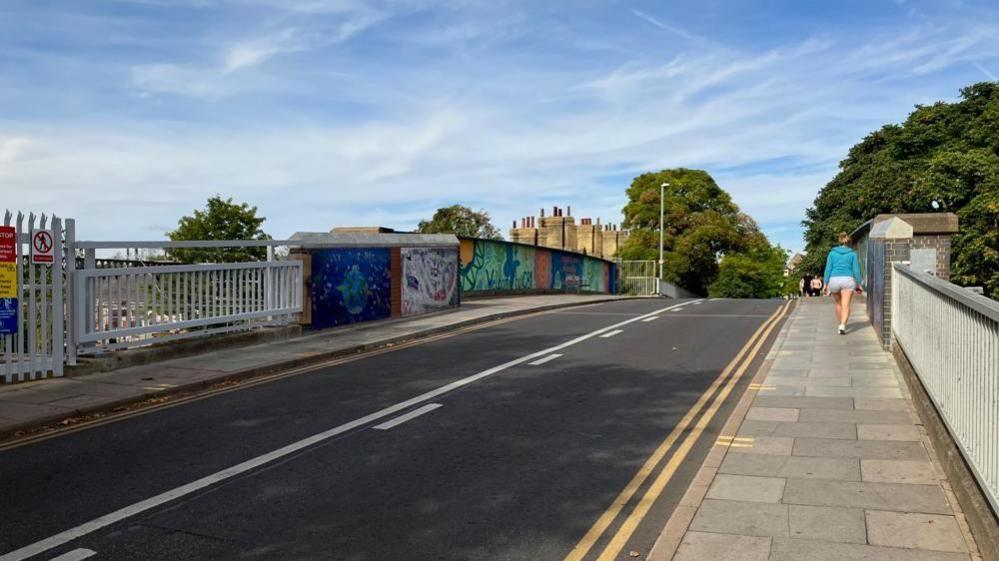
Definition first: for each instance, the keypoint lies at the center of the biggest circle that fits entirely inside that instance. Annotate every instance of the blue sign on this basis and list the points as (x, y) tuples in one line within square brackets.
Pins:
[(8, 315)]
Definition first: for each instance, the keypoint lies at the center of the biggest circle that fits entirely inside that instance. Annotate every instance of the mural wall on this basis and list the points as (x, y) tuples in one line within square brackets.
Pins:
[(497, 266), (429, 280), (350, 285)]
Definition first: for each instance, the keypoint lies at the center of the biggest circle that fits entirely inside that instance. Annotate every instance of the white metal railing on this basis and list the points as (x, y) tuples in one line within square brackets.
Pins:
[(638, 278), (126, 307), (951, 337)]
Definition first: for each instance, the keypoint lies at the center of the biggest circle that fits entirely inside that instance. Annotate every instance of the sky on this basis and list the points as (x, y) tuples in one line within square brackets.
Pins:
[(128, 114)]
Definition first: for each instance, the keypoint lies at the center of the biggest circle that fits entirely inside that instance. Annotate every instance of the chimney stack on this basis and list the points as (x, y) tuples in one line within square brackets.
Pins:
[(568, 210), (542, 213)]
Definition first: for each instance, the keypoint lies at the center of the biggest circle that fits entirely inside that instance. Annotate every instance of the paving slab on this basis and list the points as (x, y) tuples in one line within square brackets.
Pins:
[(879, 496), (854, 416), (743, 518), (865, 449), (772, 414), (799, 430), (827, 523), (701, 546), (880, 404), (775, 445), (915, 530), (888, 432), (839, 403), (785, 549), (898, 471), (746, 488)]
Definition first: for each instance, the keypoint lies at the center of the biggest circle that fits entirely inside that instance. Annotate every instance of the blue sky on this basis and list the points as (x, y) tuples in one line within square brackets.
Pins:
[(127, 114)]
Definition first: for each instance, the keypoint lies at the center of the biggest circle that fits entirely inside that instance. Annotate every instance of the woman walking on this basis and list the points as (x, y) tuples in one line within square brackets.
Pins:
[(842, 278)]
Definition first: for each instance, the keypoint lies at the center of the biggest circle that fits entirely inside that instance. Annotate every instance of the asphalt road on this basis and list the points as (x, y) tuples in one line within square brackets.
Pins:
[(517, 461)]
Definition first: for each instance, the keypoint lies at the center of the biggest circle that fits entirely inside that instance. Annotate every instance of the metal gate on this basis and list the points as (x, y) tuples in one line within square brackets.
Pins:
[(33, 300), (638, 278)]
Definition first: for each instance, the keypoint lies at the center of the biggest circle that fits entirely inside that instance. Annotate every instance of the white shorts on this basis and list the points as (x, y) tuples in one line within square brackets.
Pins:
[(837, 284)]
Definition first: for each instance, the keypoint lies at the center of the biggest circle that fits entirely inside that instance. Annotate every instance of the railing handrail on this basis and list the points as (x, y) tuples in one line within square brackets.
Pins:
[(191, 268), (981, 304), (190, 244)]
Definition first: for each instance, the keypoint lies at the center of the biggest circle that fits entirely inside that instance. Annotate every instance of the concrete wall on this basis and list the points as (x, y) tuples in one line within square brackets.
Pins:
[(490, 266)]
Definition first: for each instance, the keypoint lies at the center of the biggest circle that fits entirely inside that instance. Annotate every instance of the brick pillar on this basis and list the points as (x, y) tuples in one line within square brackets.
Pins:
[(895, 236), (395, 264)]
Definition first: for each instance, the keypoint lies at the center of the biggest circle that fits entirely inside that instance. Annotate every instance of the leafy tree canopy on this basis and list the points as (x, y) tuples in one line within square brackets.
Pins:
[(945, 152), (701, 225), (758, 273), (460, 221), (221, 219)]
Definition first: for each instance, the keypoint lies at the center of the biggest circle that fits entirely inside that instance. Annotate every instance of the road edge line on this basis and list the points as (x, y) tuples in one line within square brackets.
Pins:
[(665, 546), (610, 514)]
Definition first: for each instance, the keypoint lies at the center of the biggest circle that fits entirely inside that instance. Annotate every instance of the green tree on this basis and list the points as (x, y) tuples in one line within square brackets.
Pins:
[(945, 153), (758, 273), (221, 219), (460, 221), (701, 225)]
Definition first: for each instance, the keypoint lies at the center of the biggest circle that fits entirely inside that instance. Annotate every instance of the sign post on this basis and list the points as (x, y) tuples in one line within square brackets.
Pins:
[(8, 280), (41, 247)]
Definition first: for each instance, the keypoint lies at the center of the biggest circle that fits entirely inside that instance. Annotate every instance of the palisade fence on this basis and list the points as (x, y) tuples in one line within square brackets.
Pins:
[(951, 337), (638, 278), (35, 349)]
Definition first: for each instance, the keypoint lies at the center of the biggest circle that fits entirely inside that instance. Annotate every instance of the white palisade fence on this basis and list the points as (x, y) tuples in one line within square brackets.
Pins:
[(36, 349), (951, 337)]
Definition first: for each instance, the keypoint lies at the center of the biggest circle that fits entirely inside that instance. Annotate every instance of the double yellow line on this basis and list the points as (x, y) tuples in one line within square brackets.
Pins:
[(736, 368)]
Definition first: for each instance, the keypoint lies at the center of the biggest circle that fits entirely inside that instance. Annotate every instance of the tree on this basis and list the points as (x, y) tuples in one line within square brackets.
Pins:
[(701, 225), (460, 221), (221, 219), (758, 273), (945, 153)]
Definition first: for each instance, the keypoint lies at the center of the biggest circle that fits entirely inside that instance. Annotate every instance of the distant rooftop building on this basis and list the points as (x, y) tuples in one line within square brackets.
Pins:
[(560, 231)]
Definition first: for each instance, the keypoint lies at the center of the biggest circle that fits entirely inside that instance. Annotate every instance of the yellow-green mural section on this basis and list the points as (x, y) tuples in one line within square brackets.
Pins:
[(497, 266)]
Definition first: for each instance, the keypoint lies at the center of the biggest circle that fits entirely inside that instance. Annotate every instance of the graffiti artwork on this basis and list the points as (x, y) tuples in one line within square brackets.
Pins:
[(350, 285), (499, 266), (429, 280), (494, 266)]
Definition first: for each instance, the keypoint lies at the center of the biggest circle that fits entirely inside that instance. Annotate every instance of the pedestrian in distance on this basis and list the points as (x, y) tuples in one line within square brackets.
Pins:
[(806, 285), (817, 285), (842, 278)]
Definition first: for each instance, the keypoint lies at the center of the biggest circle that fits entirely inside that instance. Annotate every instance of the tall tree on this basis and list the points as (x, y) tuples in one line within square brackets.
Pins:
[(701, 225), (221, 219), (944, 156), (460, 221)]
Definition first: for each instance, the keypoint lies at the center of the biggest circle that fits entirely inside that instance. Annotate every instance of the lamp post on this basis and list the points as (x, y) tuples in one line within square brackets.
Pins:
[(662, 207)]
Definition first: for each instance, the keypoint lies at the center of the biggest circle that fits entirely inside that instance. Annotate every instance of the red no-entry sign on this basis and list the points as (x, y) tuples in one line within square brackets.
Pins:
[(41, 247)]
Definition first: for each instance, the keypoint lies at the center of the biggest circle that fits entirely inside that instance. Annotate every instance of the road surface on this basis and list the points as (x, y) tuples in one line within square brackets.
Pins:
[(526, 439)]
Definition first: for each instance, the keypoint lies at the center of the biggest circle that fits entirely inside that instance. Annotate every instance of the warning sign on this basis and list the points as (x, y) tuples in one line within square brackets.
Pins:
[(41, 247), (8, 280), (8, 237)]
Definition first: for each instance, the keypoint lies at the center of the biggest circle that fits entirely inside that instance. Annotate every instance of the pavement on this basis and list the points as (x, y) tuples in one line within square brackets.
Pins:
[(30, 404), (824, 459), (567, 435)]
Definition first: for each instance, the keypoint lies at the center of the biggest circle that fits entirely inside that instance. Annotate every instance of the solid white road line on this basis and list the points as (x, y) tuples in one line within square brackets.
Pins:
[(241, 468), (75, 555), (407, 417), (548, 358), (612, 333), (653, 318), (678, 309), (697, 303)]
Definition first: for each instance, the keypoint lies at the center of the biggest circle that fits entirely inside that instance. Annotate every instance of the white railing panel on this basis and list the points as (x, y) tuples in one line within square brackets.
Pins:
[(951, 337), (133, 306)]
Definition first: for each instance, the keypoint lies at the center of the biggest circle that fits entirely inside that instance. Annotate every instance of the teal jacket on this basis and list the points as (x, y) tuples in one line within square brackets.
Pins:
[(842, 262)]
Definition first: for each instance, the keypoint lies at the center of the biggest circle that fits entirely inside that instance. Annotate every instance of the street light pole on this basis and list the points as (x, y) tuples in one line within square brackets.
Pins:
[(662, 207)]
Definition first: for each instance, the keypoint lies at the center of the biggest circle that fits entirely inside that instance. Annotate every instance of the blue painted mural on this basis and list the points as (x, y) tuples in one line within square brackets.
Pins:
[(350, 285)]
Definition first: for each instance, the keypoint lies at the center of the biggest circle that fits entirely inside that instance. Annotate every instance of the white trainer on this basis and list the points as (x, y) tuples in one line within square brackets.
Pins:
[(842, 329)]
